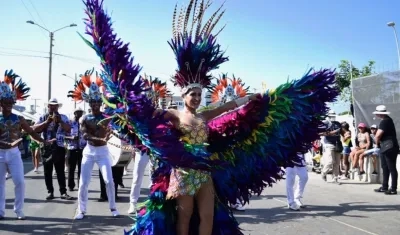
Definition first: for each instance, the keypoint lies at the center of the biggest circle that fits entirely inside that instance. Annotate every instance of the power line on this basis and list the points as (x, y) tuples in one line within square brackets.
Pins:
[(33, 18), (37, 13)]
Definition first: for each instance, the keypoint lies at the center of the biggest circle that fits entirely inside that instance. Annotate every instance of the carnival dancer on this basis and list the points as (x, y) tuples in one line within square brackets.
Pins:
[(157, 90), (294, 197), (226, 90), (11, 125), (96, 134), (75, 146), (54, 126), (216, 156)]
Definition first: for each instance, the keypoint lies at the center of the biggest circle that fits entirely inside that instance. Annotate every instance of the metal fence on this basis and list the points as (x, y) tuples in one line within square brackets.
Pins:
[(379, 89)]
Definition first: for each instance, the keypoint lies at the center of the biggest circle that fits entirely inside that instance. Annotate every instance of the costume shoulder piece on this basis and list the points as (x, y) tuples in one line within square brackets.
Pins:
[(195, 46), (12, 87), (87, 89), (227, 89)]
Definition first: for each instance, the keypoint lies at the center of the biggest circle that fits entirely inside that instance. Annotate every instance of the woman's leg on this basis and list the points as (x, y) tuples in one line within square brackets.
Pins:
[(374, 163), (185, 210), (352, 156), (360, 157), (205, 202), (346, 164), (36, 156)]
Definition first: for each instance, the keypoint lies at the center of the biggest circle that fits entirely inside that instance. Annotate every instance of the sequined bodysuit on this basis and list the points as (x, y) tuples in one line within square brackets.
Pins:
[(188, 181)]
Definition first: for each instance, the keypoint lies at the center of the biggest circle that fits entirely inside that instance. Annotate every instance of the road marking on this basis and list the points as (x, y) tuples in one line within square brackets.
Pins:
[(335, 220)]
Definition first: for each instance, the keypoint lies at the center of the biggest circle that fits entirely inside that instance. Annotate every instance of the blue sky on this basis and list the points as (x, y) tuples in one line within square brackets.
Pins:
[(266, 41)]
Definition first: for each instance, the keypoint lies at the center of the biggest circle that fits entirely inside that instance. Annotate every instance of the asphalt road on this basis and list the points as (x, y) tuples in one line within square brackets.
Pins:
[(351, 208)]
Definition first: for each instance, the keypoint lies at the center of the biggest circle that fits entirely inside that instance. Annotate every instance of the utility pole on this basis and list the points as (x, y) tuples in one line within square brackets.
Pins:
[(35, 104), (76, 79), (50, 63)]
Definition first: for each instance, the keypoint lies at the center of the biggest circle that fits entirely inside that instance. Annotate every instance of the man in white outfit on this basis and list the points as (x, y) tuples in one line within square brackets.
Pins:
[(11, 126), (140, 163), (96, 133), (294, 196)]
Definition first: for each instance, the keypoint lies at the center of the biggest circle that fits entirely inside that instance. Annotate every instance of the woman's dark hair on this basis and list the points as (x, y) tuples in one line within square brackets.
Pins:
[(346, 126)]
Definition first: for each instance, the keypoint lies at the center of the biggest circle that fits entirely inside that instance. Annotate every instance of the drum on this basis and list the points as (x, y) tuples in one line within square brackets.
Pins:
[(120, 152)]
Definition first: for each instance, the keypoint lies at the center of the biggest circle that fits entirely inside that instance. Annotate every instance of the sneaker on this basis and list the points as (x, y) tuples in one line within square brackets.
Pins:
[(66, 197), (114, 213), (132, 208), (20, 215), (66, 169), (240, 207), (391, 192), (35, 170), (334, 180), (380, 190), (299, 203), (125, 172), (79, 216), (50, 196), (293, 206), (374, 173), (8, 175)]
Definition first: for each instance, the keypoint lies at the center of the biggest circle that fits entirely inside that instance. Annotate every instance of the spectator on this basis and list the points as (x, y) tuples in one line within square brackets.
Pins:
[(345, 135), (373, 152), (332, 148), (363, 143), (386, 138)]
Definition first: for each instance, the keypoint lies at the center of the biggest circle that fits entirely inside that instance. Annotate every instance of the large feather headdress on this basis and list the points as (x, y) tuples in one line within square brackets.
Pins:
[(156, 89), (86, 89), (194, 45), (10, 88), (227, 89)]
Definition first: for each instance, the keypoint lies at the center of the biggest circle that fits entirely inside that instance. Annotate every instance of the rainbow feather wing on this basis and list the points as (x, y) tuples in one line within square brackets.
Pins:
[(126, 98), (288, 121)]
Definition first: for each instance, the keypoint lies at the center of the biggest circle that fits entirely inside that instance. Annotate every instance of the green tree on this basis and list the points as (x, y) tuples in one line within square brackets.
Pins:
[(346, 71)]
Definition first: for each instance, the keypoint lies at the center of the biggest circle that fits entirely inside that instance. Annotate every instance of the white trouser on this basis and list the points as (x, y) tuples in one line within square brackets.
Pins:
[(140, 163), (291, 173), (11, 159), (90, 156)]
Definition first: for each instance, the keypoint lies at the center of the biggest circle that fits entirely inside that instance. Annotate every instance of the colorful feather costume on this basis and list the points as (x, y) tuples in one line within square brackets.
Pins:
[(12, 87), (86, 90), (246, 147)]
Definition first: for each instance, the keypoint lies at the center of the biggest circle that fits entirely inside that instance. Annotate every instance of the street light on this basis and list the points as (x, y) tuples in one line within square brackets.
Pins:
[(392, 24), (51, 34), (75, 80)]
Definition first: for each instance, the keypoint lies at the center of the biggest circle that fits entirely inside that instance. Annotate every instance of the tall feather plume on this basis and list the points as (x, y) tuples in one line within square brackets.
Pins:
[(196, 53), (128, 106)]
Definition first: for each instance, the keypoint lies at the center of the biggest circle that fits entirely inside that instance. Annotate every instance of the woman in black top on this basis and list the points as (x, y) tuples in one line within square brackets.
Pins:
[(389, 148)]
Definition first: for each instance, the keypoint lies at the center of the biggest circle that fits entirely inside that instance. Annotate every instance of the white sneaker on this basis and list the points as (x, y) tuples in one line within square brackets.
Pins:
[(20, 215), (132, 208), (35, 170), (293, 206), (79, 216), (240, 207), (114, 213), (125, 172), (299, 203), (343, 177), (8, 175)]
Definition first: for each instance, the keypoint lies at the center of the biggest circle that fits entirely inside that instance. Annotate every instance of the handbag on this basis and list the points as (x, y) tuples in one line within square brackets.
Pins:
[(386, 145)]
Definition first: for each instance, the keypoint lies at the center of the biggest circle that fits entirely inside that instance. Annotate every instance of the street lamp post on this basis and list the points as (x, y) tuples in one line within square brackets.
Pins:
[(75, 80), (51, 34), (392, 24)]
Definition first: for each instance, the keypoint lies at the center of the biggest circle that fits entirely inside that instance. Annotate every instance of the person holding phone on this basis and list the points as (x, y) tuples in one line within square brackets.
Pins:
[(54, 127)]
